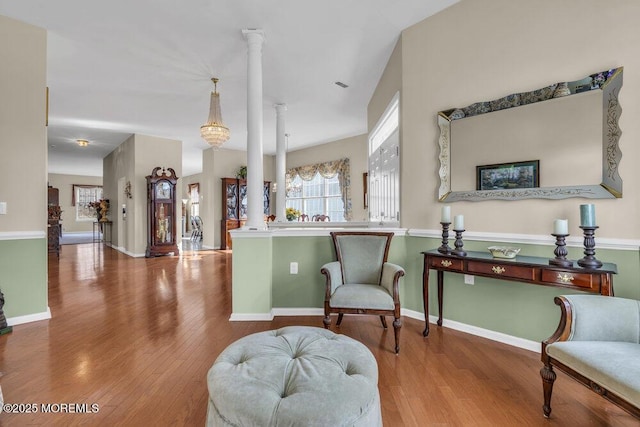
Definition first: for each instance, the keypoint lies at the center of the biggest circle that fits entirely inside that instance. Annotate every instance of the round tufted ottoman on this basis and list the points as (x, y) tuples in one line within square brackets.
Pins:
[(294, 376)]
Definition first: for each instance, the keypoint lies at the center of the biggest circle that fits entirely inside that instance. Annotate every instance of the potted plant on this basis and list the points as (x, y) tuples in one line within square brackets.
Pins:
[(292, 214), (242, 173)]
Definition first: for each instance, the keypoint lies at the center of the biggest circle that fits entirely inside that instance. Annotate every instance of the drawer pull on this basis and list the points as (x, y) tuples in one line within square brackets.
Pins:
[(446, 263), (498, 270), (565, 277)]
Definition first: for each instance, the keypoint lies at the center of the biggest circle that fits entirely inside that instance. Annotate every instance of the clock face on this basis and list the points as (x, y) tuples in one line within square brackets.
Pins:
[(163, 190)]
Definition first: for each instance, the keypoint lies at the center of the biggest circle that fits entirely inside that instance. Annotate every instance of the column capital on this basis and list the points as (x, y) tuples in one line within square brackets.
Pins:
[(254, 35), (280, 107)]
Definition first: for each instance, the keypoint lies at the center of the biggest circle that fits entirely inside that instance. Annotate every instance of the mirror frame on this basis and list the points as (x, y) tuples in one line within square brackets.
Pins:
[(611, 185)]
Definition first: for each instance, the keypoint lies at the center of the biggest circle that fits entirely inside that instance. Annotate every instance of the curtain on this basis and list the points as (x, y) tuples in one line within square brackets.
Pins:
[(327, 170)]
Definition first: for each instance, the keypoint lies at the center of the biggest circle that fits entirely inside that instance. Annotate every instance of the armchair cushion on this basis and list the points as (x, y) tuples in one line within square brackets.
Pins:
[(362, 296)]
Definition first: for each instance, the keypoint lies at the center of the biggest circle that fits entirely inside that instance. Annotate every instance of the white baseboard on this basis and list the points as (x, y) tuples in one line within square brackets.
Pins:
[(462, 327), (18, 320), (251, 317), (126, 252), (297, 311), (479, 332)]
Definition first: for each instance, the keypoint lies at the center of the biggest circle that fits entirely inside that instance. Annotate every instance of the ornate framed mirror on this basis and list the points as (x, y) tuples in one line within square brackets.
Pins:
[(570, 127)]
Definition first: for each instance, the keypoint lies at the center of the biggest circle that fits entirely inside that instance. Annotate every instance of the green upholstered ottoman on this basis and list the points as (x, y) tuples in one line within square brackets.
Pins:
[(294, 376)]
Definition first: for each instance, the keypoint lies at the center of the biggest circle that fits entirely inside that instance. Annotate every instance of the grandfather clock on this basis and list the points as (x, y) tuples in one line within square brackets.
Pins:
[(161, 212)]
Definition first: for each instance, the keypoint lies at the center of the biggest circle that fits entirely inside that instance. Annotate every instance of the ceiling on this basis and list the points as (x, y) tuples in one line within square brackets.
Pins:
[(119, 67)]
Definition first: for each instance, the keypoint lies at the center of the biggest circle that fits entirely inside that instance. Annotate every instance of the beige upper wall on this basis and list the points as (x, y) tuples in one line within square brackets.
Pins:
[(218, 164), (23, 134), (132, 161), (390, 82), (485, 56), (118, 166), (64, 184), (355, 149)]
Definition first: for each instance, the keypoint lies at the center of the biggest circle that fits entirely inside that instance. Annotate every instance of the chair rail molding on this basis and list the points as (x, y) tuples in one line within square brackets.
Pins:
[(22, 235), (531, 239)]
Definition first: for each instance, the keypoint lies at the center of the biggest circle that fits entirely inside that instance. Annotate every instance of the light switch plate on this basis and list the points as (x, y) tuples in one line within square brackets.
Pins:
[(293, 268), (3, 208)]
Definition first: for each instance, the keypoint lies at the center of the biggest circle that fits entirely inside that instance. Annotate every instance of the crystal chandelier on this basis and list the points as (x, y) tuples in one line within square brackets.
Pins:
[(214, 131)]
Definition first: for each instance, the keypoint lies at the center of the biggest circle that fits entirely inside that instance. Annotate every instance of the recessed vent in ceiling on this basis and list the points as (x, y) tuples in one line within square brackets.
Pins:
[(342, 85)]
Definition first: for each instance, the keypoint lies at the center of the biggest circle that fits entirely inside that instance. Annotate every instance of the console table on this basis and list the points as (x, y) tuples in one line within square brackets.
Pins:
[(527, 269)]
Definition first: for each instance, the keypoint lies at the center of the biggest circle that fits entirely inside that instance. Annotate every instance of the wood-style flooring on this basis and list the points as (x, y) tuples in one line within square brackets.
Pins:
[(137, 336)]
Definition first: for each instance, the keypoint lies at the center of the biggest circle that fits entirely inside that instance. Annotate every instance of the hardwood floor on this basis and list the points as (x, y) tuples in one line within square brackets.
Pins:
[(137, 337)]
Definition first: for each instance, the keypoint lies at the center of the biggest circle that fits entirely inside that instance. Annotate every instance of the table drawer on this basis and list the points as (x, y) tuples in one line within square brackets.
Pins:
[(446, 263), (501, 270), (565, 278)]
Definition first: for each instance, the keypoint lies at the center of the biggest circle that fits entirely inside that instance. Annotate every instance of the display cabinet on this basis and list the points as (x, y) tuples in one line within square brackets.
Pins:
[(54, 228), (234, 206), (161, 212)]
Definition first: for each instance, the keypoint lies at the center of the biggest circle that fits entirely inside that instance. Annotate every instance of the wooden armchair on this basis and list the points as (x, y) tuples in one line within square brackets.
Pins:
[(321, 218), (361, 281)]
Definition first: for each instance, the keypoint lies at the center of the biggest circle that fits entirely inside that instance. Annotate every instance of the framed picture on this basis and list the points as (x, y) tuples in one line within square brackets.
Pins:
[(506, 176)]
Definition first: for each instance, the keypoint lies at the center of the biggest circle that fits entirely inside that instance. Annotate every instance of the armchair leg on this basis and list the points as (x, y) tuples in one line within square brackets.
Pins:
[(397, 324), (326, 321), (548, 377), (384, 321), (340, 315)]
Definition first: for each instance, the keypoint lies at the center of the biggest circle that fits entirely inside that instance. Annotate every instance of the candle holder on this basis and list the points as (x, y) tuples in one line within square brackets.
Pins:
[(459, 244), (589, 260), (561, 252), (444, 248)]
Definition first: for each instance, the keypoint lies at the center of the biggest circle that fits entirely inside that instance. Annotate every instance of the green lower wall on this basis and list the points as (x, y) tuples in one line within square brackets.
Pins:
[(512, 308), (23, 276), (251, 276)]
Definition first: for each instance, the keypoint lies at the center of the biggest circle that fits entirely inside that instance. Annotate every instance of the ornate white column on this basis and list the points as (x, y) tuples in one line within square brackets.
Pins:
[(255, 175), (281, 161)]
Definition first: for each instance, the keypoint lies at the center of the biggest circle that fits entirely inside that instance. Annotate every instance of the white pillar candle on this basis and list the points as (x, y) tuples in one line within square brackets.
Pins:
[(561, 226), (446, 214), (458, 222)]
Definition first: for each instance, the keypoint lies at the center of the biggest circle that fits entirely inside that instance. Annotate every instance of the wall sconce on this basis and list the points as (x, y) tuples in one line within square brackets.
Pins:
[(127, 189)]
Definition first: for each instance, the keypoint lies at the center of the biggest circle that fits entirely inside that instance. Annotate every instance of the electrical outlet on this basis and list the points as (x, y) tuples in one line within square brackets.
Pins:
[(293, 268), (469, 279)]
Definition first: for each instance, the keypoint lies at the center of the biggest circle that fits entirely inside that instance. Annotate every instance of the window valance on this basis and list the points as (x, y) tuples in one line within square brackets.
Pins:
[(327, 170)]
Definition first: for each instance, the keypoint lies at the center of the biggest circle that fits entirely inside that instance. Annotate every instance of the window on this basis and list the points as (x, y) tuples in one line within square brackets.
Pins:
[(194, 196), (319, 196), (83, 195), (321, 189), (384, 166)]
